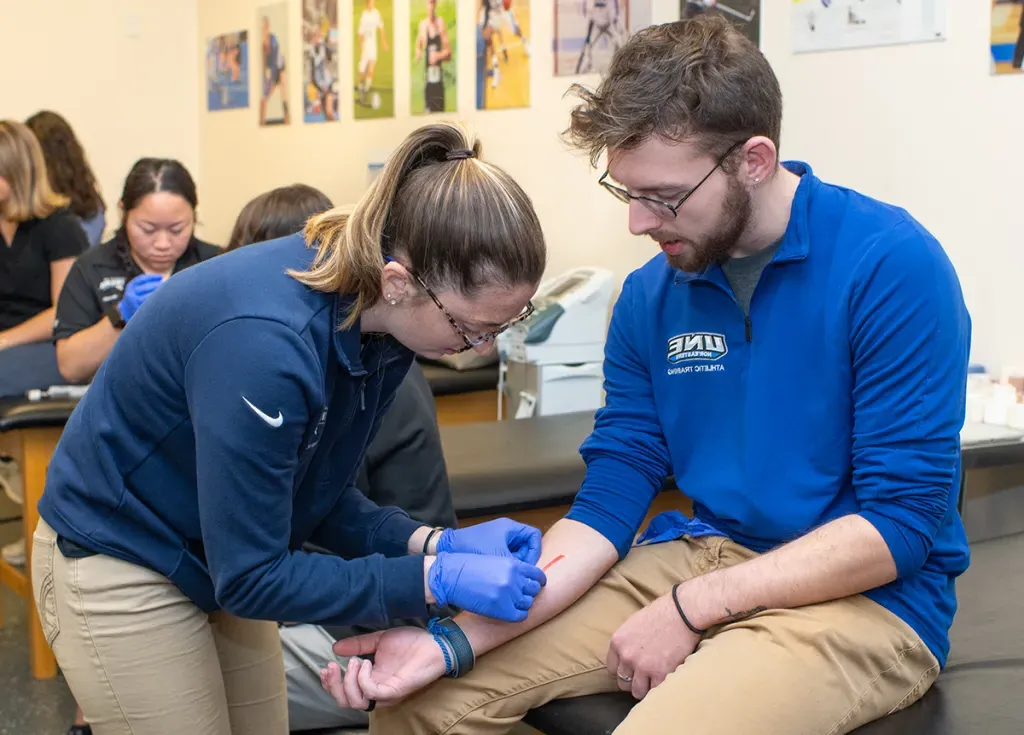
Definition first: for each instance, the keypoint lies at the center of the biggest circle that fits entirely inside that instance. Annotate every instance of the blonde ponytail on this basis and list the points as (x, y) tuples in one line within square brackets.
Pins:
[(449, 215)]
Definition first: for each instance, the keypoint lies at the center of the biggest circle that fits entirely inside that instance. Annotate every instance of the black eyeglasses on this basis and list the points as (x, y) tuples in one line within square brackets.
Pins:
[(471, 342), (658, 207)]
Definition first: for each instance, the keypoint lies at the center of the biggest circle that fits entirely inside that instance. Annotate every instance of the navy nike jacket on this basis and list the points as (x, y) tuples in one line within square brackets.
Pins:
[(224, 430), (843, 393)]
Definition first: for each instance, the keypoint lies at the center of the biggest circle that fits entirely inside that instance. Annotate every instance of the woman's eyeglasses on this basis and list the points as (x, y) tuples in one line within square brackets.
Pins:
[(477, 340)]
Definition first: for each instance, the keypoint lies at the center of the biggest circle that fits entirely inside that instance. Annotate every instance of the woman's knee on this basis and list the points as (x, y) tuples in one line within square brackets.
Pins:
[(252, 667)]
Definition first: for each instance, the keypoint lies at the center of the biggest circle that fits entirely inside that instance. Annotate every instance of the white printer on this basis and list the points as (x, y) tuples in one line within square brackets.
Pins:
[(553, 362)]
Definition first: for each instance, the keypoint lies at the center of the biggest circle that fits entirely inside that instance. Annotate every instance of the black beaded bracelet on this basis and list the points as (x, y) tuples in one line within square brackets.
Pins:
[(679, 607), (426, 544)]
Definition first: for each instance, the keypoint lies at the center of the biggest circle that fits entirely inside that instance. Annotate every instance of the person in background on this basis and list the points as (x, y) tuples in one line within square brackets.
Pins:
[(108, 284), (404, 467), (276, 213), (39, 240), (69, 171)]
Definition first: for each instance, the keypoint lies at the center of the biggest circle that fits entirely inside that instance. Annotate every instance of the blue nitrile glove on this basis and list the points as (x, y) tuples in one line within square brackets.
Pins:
[(501, 537), (137, 291), (497, 587)]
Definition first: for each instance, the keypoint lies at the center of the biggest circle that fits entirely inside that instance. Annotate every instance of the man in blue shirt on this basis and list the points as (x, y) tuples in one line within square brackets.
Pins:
[(797, 358)]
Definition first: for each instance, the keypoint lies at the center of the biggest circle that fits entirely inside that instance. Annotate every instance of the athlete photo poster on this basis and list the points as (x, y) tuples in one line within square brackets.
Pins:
[(272, 25), (319, 60), (588, 32), (1007, 36), (374, 57), (432, 70), (744, 14), (227, 71), (502, 54)]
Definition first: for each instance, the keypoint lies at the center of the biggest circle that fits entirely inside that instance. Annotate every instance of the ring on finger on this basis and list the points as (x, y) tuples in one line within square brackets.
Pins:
[(626, 679)]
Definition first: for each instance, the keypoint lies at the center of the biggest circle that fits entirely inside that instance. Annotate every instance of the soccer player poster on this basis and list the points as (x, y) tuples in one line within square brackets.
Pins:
[(272, 22), (319, 60), (374, 58), (432, 72)]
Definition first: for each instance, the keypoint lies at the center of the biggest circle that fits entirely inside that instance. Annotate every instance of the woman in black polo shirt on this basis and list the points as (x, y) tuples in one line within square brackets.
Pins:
[(108, 284), (40, 239)]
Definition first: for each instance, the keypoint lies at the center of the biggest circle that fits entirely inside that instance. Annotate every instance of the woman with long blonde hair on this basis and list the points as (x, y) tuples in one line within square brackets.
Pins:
[(39, 240), (224, 431)]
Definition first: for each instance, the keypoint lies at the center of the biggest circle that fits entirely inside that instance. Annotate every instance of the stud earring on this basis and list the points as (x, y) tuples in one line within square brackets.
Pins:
[(757, 181), (391, 300)]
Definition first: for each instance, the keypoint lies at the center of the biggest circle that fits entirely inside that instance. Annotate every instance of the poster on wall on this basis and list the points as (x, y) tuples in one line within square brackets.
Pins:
[(1007, 36), (272, 20), (227, 71), (502, 54), (589, 32), (319, 60), (433, 76), (374, 58), (827, 25), (745, 14)]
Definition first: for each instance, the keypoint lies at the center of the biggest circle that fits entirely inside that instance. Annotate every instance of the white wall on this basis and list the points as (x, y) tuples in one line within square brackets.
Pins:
[(922, 125), (123, 72)]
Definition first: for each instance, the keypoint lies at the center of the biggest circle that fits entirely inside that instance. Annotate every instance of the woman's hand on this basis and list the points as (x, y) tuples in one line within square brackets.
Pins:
[(138, 290), (496, 587), (405, 660), (500, 537)]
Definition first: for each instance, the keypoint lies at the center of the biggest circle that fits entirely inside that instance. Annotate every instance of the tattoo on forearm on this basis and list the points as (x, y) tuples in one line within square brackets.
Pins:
[(732, 617)]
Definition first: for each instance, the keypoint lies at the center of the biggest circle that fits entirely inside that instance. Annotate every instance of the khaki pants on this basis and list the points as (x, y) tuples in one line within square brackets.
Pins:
[(825, 668), (142, 659)]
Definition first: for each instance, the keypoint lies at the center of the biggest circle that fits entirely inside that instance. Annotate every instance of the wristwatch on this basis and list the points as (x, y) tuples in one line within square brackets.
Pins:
[(462, 658), (114, 315)]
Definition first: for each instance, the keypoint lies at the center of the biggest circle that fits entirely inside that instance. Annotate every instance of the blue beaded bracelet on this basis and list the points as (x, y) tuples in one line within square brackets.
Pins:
[(450, 637)]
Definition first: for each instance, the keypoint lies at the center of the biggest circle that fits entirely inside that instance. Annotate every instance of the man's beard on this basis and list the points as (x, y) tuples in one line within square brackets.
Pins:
[(714, 247)]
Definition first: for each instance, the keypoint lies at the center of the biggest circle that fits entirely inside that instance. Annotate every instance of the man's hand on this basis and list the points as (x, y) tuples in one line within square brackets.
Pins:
[(500, 537), (406, 660), (649, 646)]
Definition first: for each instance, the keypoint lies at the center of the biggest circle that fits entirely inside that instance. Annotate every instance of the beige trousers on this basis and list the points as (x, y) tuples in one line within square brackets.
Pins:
[(820, 669), (142, 659)]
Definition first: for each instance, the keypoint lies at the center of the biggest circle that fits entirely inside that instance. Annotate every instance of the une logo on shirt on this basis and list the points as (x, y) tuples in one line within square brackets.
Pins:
[(696, 346)]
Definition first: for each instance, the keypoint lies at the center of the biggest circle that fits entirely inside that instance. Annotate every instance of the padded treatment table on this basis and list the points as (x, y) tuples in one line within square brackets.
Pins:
[(510, 466), (38, 425), (446, 381)]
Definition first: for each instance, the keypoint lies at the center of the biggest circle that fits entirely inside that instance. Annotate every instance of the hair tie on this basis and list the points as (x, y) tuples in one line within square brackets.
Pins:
[(458, 154)]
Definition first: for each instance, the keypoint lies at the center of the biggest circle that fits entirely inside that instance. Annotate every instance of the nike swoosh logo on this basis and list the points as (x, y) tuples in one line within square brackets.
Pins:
[(274, 421)]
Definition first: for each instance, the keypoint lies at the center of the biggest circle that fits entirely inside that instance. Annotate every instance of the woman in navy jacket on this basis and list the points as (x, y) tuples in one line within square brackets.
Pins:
[(225, 429)]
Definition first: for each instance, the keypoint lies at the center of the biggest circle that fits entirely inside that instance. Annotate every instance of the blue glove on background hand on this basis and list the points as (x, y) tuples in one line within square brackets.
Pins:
[(501, 537), (497, 587), (137, 291)]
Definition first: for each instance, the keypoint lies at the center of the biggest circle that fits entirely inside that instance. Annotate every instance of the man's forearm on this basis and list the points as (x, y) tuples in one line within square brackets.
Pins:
[(574, 558), (844, 557)]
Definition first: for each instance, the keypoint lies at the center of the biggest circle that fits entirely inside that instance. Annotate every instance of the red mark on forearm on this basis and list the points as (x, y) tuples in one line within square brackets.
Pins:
[(553, 562)]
